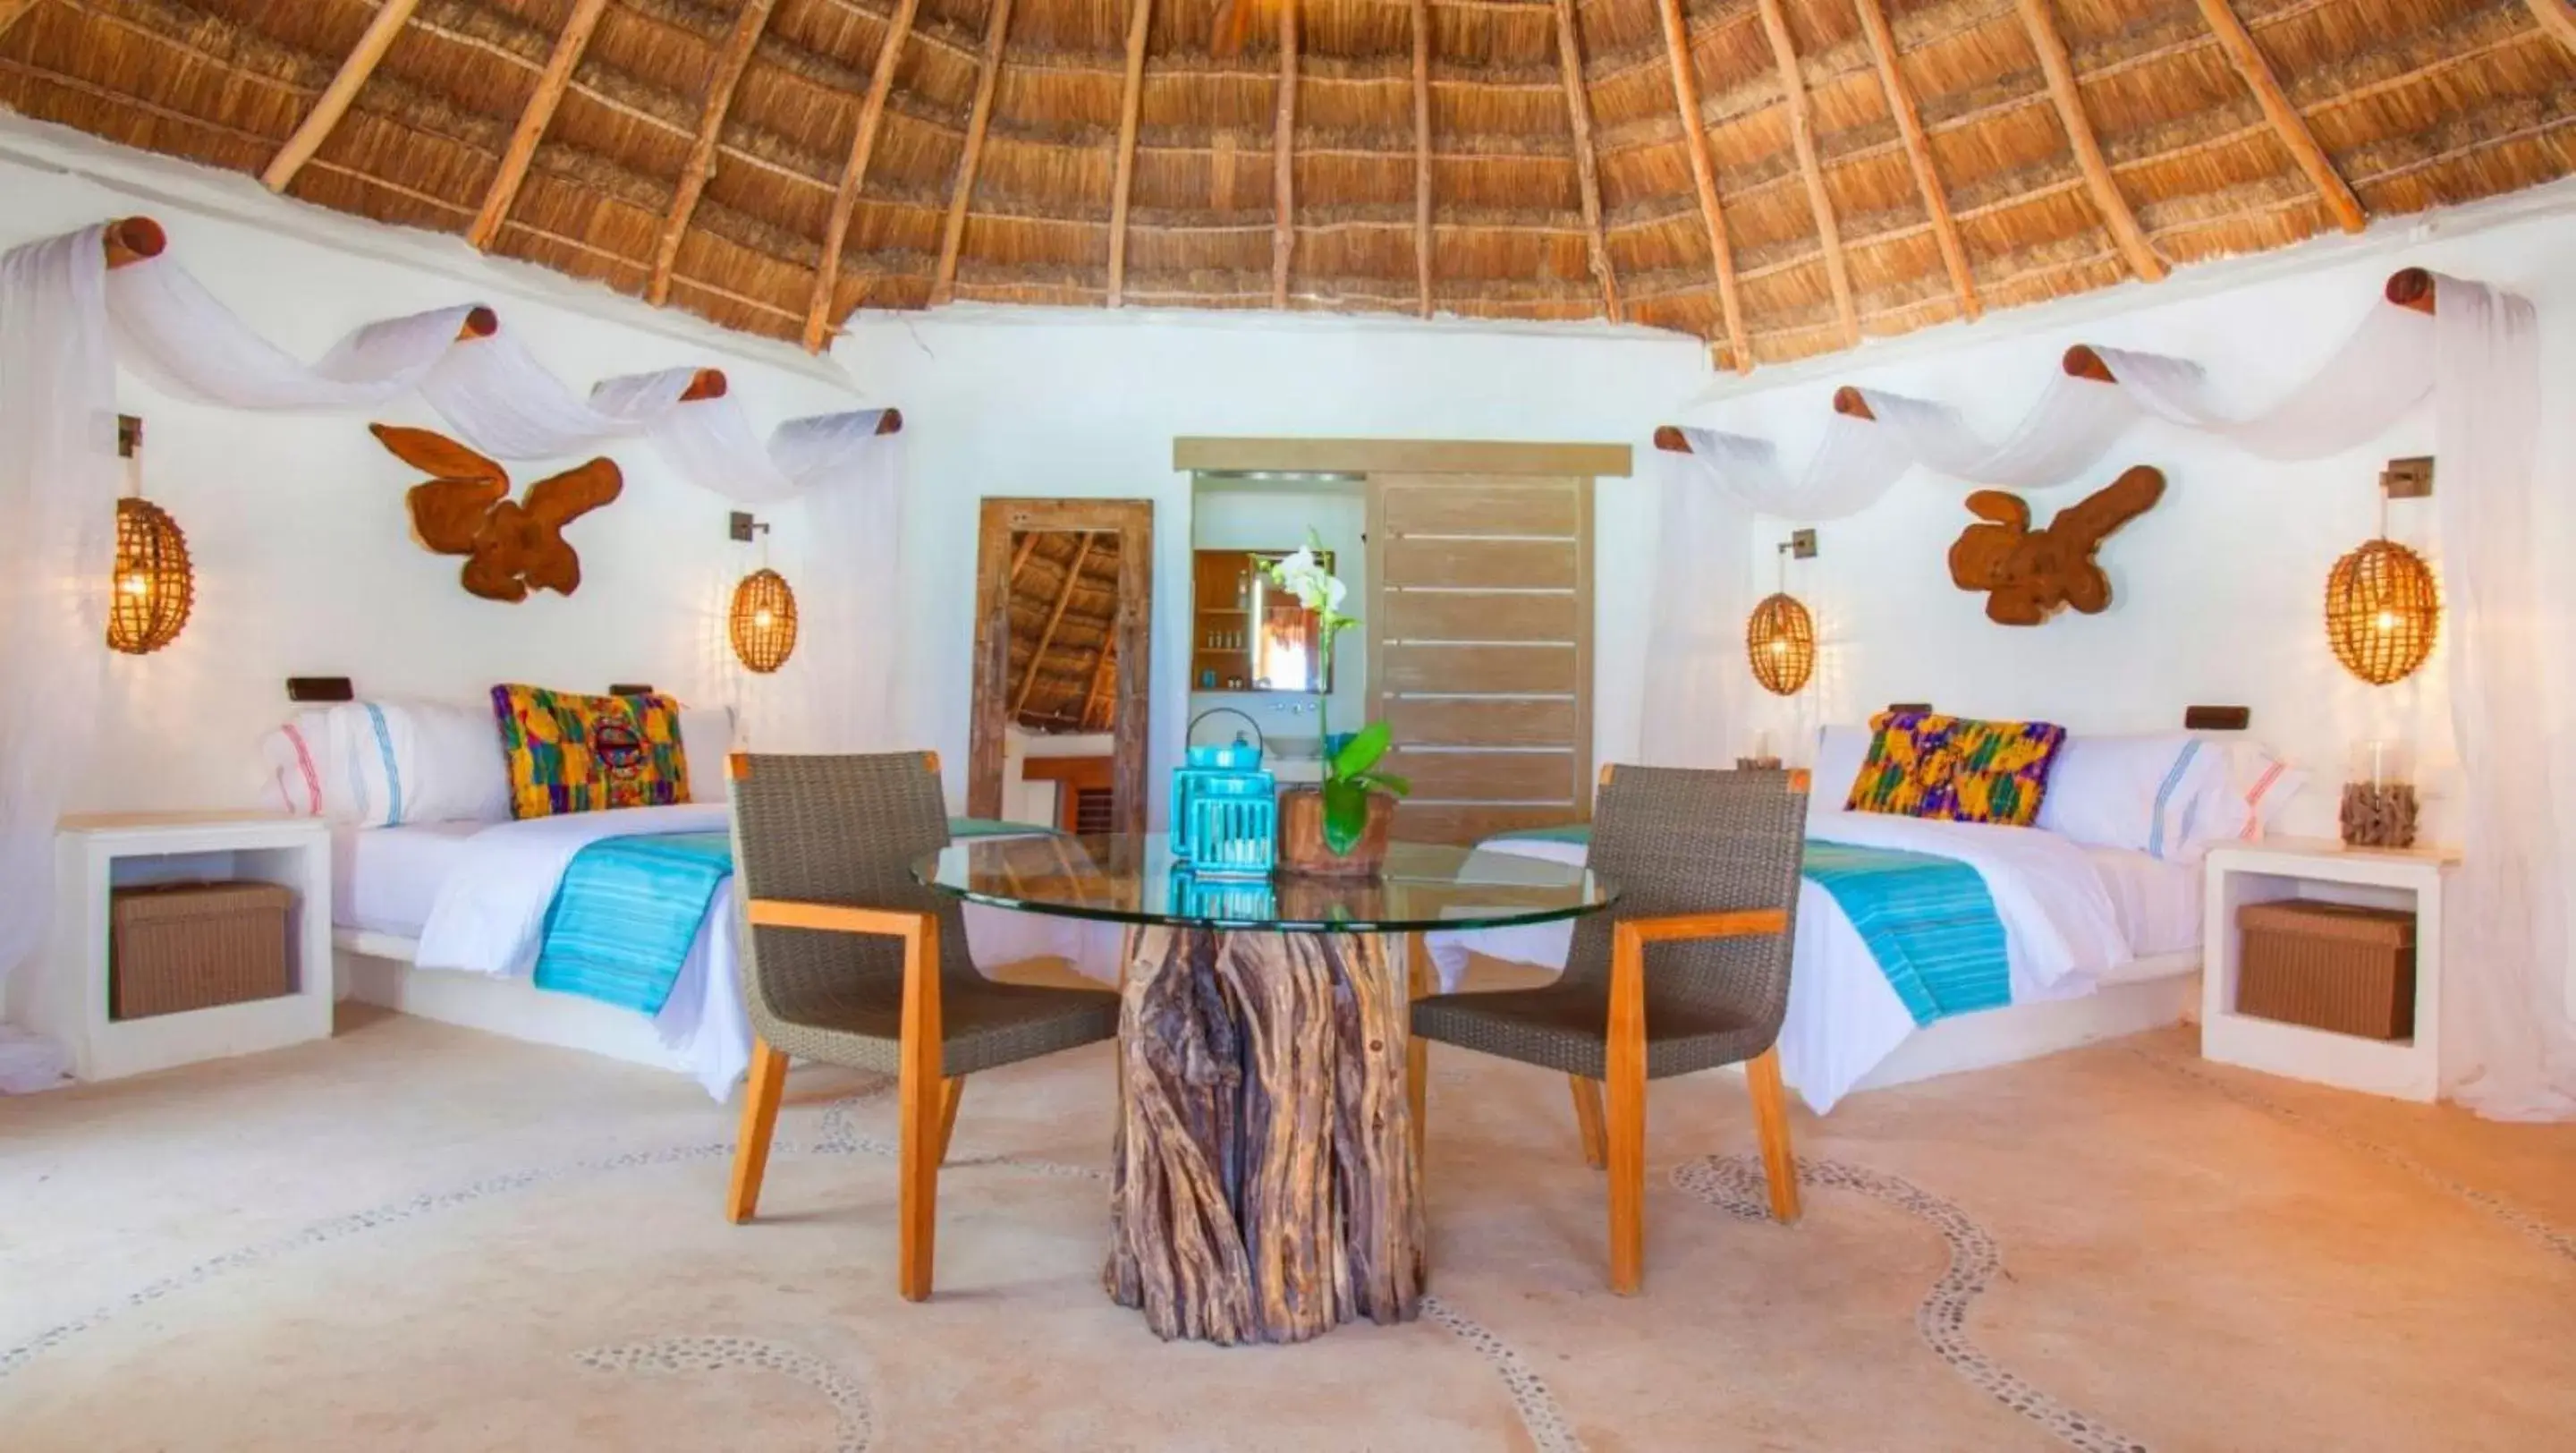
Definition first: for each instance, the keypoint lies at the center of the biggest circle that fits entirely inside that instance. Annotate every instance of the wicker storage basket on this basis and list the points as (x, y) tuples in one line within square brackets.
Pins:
[(2328, 966), (179, 946)]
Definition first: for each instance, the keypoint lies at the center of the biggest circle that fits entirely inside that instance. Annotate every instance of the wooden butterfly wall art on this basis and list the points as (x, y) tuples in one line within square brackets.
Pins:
[(511, 547), (2028, 574)]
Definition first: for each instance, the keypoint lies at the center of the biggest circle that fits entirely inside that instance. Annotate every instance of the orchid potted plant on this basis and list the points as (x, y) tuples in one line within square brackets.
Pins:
[(1339, 826)]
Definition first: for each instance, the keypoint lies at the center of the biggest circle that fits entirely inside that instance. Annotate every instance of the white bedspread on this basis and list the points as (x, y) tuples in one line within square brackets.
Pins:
[(489, 917), (2060, 933)]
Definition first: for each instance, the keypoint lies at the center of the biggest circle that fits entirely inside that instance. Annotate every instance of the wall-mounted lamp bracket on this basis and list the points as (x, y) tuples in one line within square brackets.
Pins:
[(1801, 545), (129, 436), (745, 529), (2407, 478)]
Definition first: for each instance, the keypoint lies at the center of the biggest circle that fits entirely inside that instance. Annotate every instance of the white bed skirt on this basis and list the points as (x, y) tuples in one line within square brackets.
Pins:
[(2148, 994), (514, 1008)]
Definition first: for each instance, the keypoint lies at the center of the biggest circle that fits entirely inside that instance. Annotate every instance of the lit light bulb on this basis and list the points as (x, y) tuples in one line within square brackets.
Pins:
[(1778, 646), (134, 583), (763, 619), (2384, 622)]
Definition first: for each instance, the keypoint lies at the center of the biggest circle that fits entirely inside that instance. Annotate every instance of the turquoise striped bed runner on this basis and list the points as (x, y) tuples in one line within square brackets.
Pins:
[(628, 908), (1928, 920)]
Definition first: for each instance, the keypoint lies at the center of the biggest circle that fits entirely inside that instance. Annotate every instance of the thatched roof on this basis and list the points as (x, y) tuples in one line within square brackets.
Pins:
[(1064, 615), (1848, 167)]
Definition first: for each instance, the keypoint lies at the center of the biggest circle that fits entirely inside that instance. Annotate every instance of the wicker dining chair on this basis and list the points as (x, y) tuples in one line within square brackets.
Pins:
[(847, 960), (1688, 971)]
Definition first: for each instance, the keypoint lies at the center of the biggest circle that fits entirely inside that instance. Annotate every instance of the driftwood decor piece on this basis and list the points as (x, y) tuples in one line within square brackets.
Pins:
[(465, 509), (2028, 574), (1264, 1187)]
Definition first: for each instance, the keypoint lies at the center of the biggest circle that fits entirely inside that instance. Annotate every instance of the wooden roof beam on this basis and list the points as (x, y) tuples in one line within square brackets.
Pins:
[(13, 11), (1140, 15), (1283, 237), (540, 113), (1046, 641), (2557, 17), (1587, 164), (2059, 67), (334, 102), (1802, 136), (845, 202), (2238, 42), (1704, 180), (731, 62), (1422, 153), (997, 29), (1918, 151)]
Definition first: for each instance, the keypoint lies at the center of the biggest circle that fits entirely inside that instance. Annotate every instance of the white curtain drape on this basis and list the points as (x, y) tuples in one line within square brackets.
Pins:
[(2383, 369), (66, 321), (2509, 1050), (58, 484)]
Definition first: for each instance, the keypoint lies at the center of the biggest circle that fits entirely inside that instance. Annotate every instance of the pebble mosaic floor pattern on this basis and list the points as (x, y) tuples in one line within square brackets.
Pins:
[(417, 1237)]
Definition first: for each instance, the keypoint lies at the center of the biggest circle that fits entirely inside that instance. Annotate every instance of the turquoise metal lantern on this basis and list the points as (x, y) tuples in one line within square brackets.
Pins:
[(1225, 812)]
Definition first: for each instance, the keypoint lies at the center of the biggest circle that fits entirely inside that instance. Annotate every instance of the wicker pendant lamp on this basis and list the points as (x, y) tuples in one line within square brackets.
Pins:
[(153, 585), (2383, 608), (762, 620), (1780, 636)]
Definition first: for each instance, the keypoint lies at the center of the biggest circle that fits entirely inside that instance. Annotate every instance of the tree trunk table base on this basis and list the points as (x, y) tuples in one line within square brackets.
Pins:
[(1264, 1187)]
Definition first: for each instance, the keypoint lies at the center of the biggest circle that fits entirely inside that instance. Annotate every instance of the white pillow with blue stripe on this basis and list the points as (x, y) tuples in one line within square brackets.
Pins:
[(2145, 792), (416, 761)]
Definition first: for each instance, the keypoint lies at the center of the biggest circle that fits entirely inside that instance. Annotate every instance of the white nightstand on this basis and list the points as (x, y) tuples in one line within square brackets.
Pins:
[(65, 994), (2409, 879)]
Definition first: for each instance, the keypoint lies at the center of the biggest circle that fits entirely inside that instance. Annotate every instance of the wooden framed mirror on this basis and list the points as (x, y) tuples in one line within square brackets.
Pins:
[(1064, 609)]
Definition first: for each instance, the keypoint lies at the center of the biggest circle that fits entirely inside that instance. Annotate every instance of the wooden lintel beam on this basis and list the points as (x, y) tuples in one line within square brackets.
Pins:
[(1140, 15), (1802, 137), (1063, 598), (1283, 171), (336, 97), (1587, 163), (2292, 128), (2059, 67), (540, 113), (2557, 17), (1422, 153), (1721, 253), (1918, 152), (731, 62), (854, 175), (997, 29), (13, 11)]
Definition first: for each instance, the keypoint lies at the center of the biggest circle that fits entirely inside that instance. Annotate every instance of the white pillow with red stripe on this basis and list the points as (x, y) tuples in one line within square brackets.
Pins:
[(299, 761), (2250, 798)]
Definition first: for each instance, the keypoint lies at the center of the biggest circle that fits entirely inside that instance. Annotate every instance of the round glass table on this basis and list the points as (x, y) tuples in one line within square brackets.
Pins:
[(1266, 1185)]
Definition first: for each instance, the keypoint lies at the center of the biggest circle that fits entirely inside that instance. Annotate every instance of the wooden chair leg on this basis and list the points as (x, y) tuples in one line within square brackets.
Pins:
[(951, 1090), (1626, 1117), (761, 1093), (1587, 1120), (1771, 1119), (919, 1096)]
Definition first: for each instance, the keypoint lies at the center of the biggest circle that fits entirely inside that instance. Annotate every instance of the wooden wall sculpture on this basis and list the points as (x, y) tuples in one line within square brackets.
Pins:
[(2027, 574), (466, 509)]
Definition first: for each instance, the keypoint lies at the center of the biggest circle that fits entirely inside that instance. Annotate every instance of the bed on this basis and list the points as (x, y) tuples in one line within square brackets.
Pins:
[(445, 919), (2099, 942)]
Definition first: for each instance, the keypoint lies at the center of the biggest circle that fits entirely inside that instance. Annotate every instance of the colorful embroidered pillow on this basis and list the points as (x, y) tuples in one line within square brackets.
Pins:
[(1956, 769), (589, 753)]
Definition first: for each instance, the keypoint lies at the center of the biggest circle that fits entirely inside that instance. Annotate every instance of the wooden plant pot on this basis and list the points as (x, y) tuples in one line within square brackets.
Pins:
[(1302, 848)]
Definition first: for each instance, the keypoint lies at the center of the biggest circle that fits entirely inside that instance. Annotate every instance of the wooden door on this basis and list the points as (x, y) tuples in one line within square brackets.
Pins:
[(1480, 648)]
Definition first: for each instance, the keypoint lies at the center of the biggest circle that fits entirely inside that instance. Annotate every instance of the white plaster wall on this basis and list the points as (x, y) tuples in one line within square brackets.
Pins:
[(1086, 403), (2218, 590), (296, 522)]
